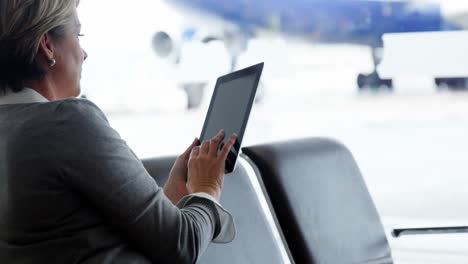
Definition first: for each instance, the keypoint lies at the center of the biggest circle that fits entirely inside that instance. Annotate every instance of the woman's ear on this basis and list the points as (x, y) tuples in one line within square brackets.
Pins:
[(46, 47)]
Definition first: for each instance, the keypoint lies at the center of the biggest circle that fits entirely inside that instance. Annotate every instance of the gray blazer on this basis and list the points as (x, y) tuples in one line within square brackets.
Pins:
[(72, 191)]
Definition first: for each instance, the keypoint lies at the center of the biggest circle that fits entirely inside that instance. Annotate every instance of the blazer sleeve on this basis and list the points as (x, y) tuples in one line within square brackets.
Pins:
[(94, 161)]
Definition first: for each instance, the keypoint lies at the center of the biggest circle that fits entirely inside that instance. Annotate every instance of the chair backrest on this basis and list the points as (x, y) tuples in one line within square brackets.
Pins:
[(321, 201), (255, 241)]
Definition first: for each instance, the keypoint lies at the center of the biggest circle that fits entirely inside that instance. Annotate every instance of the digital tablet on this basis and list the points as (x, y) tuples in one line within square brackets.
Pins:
[(230, 107)]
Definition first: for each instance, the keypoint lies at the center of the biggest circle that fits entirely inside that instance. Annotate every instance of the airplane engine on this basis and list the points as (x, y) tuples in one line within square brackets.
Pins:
[(184, 50), (166, 46)]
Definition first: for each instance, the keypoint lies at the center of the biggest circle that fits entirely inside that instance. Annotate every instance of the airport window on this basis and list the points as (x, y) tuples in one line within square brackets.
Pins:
[(386, 78)]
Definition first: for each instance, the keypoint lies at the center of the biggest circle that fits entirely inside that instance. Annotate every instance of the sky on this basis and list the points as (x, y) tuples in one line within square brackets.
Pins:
[(450, 7)]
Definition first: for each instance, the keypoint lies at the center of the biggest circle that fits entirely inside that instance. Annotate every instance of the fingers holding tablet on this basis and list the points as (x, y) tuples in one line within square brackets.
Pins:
[(205, 147), (227, 147), (195, 151), (215, 142)]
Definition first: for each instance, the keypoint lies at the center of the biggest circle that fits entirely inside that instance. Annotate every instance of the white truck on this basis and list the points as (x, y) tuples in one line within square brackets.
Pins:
[(441, 56)]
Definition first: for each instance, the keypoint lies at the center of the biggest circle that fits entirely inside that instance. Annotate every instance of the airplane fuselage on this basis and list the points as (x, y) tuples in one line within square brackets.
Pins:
[(326, 21)]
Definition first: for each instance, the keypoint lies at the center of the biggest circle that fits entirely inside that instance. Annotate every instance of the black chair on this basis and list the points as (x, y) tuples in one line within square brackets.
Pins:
[(255, 241), (321, 201)]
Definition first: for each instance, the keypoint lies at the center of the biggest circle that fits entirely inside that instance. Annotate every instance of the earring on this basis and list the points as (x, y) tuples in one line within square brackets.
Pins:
[(52, 62)]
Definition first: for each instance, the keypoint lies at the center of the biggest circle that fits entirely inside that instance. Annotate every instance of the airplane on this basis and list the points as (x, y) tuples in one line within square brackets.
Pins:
[(235, 23)]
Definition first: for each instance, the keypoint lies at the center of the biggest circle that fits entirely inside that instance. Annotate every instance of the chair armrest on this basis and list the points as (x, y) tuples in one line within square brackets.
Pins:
[(397, 232)]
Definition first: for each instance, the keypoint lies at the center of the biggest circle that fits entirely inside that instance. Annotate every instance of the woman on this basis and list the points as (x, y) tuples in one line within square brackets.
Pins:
[(71, 191)]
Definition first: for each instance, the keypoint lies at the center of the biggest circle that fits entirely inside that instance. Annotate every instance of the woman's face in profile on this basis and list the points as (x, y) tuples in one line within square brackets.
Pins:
[(69, 58)]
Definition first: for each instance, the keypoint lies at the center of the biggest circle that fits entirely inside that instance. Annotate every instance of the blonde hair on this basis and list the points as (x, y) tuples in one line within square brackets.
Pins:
[(22, 24)]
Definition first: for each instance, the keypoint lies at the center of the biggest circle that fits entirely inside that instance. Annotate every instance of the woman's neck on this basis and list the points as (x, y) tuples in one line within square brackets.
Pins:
[(44, 88)]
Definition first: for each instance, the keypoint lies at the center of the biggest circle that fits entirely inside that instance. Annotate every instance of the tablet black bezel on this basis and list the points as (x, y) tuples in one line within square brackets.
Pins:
[(255, 69)]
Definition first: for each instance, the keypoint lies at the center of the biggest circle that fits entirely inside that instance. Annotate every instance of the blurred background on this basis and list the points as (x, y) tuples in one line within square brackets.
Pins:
[(386, 78)]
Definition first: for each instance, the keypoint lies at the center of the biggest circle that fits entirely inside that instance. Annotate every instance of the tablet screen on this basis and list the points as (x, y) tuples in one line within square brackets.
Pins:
[(230, 108)]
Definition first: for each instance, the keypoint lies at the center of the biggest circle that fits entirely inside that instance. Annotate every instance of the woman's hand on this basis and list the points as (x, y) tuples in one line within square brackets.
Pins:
[(176, 185), (206, 167)]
